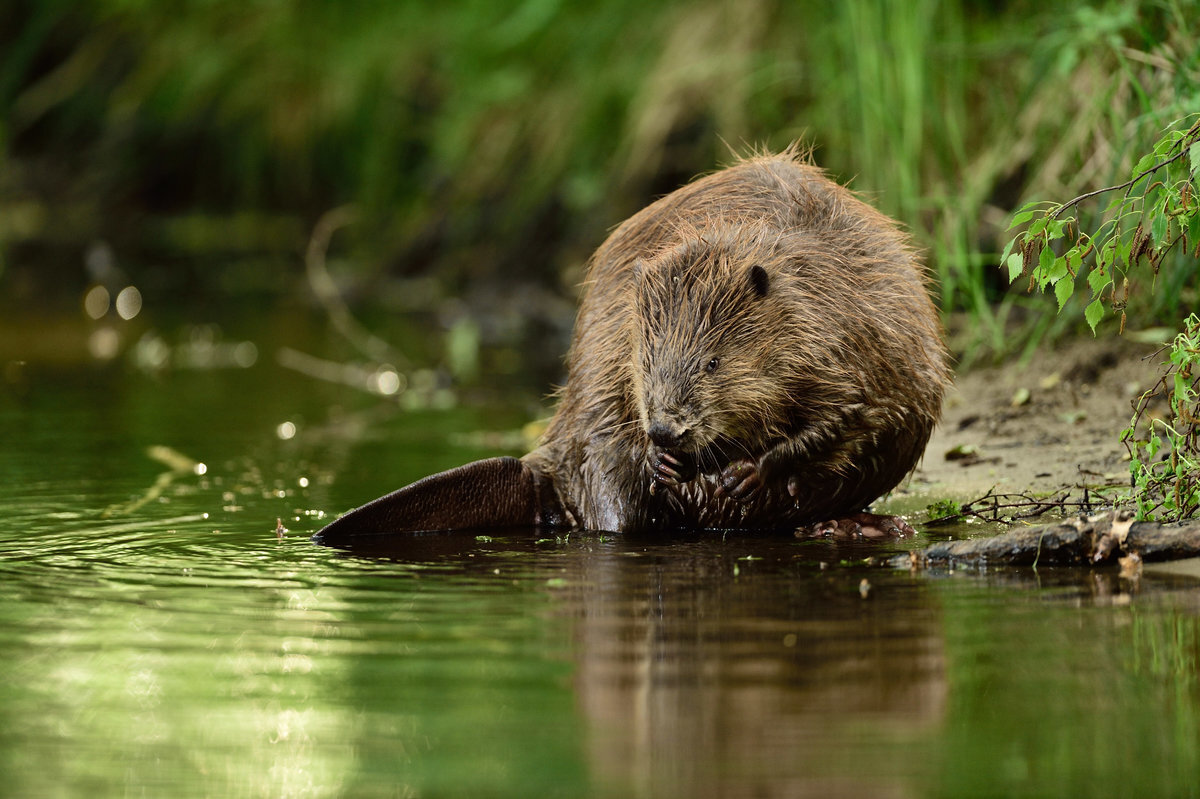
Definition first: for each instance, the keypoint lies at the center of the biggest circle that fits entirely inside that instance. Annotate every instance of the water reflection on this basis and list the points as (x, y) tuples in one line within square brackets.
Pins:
[(712, 667), (772, 682)]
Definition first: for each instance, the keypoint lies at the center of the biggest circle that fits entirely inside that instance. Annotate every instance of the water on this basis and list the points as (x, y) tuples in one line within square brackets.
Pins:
[(158, 637)]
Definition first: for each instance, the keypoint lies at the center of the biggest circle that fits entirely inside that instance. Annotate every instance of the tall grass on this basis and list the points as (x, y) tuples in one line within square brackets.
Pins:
[(482, 139)]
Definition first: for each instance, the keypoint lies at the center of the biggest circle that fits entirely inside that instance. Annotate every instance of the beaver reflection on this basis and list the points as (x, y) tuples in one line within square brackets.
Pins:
[(780, 680)]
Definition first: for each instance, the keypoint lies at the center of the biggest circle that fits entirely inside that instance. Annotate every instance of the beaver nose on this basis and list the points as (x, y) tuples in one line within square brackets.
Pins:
[(667, 434)]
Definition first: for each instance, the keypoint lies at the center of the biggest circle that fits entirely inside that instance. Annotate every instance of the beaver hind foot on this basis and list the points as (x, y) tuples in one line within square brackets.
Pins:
[(858, 526)]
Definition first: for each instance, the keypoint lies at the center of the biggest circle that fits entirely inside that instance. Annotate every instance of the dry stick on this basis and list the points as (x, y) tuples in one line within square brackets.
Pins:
[(331, 300), (989, 506)]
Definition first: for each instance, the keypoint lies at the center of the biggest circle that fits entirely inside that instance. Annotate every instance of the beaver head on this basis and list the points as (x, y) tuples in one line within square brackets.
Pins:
[(710, 333)]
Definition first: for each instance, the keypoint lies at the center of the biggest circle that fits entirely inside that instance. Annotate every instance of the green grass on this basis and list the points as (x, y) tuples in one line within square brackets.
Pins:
[(481, 140)]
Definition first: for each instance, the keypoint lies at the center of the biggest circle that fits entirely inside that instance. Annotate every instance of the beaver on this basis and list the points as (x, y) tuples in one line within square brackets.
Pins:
[(756, 350)]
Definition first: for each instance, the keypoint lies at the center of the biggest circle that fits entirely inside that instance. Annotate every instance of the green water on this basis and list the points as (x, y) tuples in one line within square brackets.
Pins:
[(159, 638)]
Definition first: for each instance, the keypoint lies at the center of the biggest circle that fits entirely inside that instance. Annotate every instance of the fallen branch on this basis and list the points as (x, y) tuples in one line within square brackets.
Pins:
[(1009, 508), (1083, 541)]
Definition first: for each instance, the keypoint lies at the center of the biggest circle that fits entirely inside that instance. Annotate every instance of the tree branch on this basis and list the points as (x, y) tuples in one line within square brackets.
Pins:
[(1129, 183)]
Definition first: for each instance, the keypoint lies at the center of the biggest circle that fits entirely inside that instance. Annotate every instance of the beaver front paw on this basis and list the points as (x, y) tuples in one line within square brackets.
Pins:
[(741, 479), (670, 468)]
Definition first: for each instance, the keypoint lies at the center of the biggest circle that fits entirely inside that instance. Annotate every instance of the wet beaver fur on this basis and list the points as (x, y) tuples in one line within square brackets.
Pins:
[(755, 350)]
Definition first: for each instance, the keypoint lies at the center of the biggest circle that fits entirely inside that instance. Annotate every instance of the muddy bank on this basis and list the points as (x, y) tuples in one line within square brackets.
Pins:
[(1041, 425)]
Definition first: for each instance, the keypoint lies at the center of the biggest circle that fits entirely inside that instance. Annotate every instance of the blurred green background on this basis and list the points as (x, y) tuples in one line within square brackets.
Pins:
[(192, 148)]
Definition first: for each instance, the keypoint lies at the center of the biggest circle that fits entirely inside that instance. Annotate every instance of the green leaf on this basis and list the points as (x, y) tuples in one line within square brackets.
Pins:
[(1158, 229), (1074, 260), (1124, 245), (1063, 290), (1107, 252), (1180, 170), (1144, 164), (1014, 264), (1021, 218), (1182, 388), (1098, 281), (1058, 268), (1187, 224), (1045, 261), (1036, 228), (1194, 156), (1007, 249), (1093, 313)]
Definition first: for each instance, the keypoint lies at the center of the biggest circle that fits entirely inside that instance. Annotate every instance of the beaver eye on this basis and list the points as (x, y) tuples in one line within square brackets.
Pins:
[(712, 365)]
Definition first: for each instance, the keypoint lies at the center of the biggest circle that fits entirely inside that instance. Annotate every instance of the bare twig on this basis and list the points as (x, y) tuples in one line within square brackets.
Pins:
[(1009, 508)]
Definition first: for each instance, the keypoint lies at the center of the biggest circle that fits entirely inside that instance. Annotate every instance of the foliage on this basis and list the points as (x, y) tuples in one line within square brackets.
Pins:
[(943, 508), (484, 141), (1143, 233), (477, 134), (1149, 216), (1137, 253), (1165, 460)]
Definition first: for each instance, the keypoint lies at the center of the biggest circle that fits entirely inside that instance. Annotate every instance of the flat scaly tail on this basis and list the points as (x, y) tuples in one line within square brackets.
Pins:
[(492, 493)]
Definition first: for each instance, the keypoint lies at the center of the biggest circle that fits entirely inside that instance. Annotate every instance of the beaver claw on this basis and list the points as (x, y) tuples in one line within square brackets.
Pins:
[(671, 468), (740, 479)]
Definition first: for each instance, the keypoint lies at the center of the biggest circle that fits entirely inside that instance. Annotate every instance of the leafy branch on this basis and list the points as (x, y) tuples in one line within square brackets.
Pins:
[(1138, 228), (1164, 462), (1151, 215), (1129, 184)]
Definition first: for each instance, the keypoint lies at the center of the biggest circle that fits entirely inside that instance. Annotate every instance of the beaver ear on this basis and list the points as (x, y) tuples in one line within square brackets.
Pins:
[(760, 281)]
